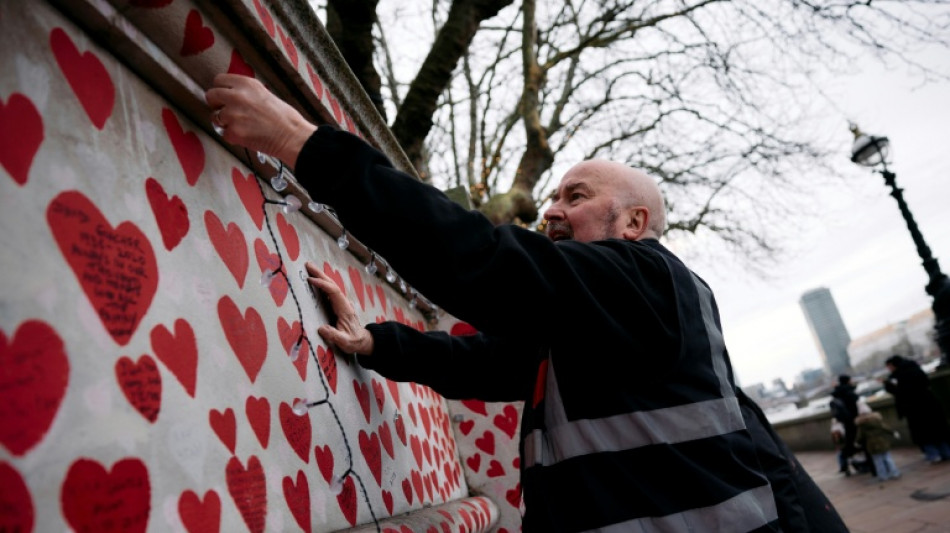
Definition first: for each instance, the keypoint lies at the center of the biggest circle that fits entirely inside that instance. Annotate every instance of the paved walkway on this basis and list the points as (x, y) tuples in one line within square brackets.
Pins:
[(918, 502)]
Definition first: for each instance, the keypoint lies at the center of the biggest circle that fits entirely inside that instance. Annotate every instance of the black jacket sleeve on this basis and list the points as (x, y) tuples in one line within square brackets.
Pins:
[(457, 367), (506, 281)]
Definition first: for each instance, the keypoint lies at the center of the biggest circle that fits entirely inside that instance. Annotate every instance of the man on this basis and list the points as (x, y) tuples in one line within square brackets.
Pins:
[(844, 408), (914, 400), (632, 420)]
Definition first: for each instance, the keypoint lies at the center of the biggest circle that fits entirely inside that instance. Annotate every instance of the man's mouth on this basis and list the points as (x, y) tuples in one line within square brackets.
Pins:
[(559, 232)]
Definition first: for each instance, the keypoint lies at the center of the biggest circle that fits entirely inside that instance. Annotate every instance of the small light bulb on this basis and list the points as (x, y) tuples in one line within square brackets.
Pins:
[(402, 285), (278, 182), (267, 277), (343, 242), (370, 267), (261, 157), (412, 303), (300, 407), (316, 207), (217, 129), (295, 350), (390, 276), (336, 485), (291, 204)]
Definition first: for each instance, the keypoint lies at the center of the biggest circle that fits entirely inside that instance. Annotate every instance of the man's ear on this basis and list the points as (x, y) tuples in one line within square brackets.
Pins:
[(638, 220)]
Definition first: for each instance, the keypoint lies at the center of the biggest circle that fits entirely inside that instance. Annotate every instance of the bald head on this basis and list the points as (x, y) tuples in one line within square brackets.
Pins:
[(599, 199)]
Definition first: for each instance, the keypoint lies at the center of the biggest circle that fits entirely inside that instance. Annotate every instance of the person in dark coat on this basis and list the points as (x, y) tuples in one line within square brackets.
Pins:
[(673, 447), (844, 407), (915, 401)]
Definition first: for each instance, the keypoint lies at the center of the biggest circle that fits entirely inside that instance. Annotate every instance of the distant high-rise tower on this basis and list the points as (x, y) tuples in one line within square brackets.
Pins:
[(828, 329)]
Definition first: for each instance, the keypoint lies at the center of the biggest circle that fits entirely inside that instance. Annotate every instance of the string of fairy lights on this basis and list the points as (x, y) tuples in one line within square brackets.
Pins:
[(290, 204)]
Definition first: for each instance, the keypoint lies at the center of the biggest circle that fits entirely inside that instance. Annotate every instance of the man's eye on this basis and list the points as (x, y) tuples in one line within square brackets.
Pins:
[(576, 196)]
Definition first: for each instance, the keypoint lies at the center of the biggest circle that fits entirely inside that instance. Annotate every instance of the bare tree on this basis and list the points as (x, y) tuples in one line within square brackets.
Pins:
[(709, 96)]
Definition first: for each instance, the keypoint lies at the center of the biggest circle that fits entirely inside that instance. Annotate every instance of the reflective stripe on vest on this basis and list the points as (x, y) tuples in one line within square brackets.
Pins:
[(747, 511), (628, 431)]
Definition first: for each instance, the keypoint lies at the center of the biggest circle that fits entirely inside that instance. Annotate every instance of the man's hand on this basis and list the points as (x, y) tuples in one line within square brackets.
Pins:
[(252, 117), (348, 334)]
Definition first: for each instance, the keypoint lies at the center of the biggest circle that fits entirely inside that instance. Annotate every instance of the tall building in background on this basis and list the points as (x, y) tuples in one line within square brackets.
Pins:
[(828, 329)]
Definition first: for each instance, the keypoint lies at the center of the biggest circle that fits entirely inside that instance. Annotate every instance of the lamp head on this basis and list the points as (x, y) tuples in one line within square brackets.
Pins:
[(868, 150)]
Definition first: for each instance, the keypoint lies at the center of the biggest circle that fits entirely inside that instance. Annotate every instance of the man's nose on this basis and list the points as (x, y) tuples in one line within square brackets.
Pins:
[(554, 212)]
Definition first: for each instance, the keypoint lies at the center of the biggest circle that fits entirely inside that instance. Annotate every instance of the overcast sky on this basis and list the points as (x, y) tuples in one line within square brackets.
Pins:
[(860, 248)]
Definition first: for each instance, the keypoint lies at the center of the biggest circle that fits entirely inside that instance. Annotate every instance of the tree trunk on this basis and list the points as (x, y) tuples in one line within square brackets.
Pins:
[(350, 25), (414, 119), (517, 205)]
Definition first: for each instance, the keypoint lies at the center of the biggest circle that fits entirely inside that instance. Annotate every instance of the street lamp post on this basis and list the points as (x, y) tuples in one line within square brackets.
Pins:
[(871, 151)]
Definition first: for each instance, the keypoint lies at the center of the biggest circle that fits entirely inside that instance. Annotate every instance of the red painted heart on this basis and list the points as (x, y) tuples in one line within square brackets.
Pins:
[(288, 46), (356, 279), (269, 262), (328, 366), (224, 426), (426, 421), (200, 516), (297, 496), (507, 421), (21, 133), (265, 17), (417, 484), (370, 446), (393, 387), (245, 334), (315, 81), (141, 384), (347, 500), (474, 462), (324, 456), (289, 235), (171, 215), (34, 373), (289, 336), (88, 78), (230, 245), (495, 469), (116, 267), (388, 502), (239, 66), (370, 295), (362, 396), (381, 294), (466, 426), (486, 442), (476, 406), (258, 415), (380, 395), (198, 37), (416, 446), (400, 430), (179, 352), (250, 194), (407, 490), (248, 489), (96, 500), (18, 513), (297, 430), (335, 107), (187, 145), (386, 439), (334, 275)]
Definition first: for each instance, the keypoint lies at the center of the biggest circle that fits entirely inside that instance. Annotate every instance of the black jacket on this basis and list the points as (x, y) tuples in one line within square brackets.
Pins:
[(638, 422)]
